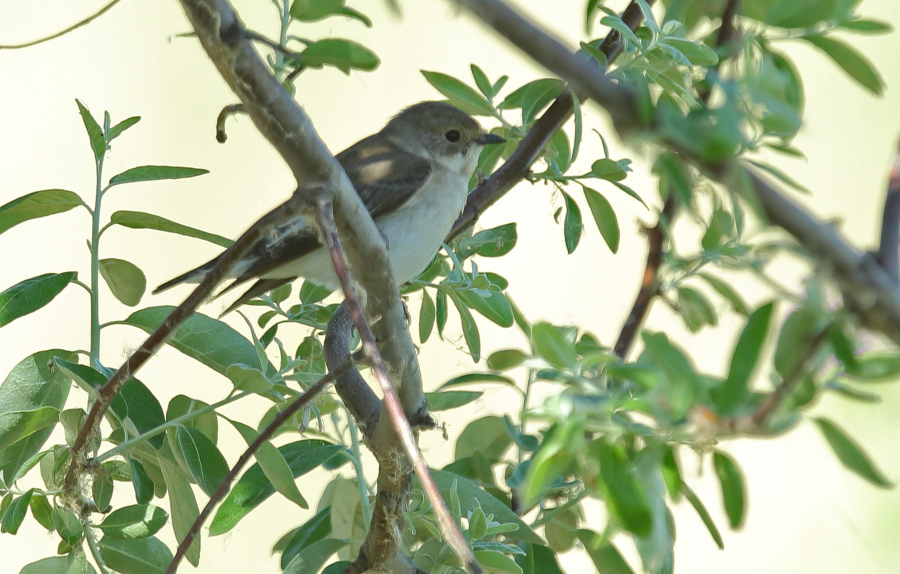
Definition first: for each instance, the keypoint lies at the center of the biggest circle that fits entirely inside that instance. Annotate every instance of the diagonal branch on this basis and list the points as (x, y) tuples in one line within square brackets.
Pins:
[(448, 527), (106, 393), (868, 290), (251, 450), (529, 149)]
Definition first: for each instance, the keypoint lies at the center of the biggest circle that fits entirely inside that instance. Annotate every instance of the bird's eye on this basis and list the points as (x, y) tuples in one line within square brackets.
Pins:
[(452, 136)]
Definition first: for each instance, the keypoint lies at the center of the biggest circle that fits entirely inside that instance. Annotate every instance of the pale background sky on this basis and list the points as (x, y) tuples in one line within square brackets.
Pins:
[(806, 513)]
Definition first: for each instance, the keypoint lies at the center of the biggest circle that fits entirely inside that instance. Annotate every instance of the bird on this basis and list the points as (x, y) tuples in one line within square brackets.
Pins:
[(412, 177)]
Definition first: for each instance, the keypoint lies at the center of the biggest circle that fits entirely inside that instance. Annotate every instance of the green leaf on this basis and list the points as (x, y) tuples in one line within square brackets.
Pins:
[(493, 242), (60, 565), (120, 127), (68, 525), (182, 503), (533, 97), (728, 292), (246, 378), (495, 306), (141, 220), (795, 341), (459, 94), (874, 367), (699, 54), (273, 465), (551, 344), (143, 556), (17, 425), (37, 204), (253, 488), (32, 384), (41, 510), (312, 293), (482, 81), (155, 172), (695, 501), (426, 317), (734, 496), (472, 497), (95, 133), (745, 358), (143, 484), (604, 555), (345, 55), (469, 328), (32, 294), (800, 13), (133, 522), (126, 281), (506, 359), (212, 342), (355, 15), (604, 217), (479, 378), (624, 494), (15, 512), (864, 26), (315, 529), (497, 563), (677, 368), (850, 454), (572, 224), (102, 489), (313, 557), (206, 463), (695, 309), (855, 64), (314, 10), (487, 436), (444, 401), (553, 459)]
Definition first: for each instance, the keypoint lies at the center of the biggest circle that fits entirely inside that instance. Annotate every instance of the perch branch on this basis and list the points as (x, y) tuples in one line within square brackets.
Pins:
[(889, 247), (75, 26), (448, 527)]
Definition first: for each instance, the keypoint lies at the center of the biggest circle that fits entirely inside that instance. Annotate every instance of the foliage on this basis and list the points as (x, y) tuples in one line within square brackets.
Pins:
[(614, 431)]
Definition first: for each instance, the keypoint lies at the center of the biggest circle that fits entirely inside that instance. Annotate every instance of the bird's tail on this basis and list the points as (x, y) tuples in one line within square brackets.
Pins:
[(192, 276)]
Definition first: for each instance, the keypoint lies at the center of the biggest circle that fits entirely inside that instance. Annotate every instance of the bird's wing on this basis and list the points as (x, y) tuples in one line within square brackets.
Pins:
[(385, 177)]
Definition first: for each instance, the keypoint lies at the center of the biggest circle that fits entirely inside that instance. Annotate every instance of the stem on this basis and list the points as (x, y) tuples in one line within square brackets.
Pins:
[(169, 424), (95, 267), (95, 551), (357, 464), (529, 382)]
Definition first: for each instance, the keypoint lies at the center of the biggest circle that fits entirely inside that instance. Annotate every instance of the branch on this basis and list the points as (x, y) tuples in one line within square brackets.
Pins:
[(105, 395), (264, 436), (889, 248), (529, 149), (448, 527), (656, 236), (75, 26)]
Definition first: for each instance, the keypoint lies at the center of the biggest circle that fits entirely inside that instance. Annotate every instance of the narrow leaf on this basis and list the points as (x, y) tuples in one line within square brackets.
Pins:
[(855, 64), (206, 463), (459, 94), (140, 220), (95, 133), (734, 496), (850, 454), (345, 55), (37, 204), (32, 294), (155, 172), (604, 217)]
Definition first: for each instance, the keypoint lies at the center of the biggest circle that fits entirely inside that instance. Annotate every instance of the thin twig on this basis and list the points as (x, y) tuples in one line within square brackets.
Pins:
[(105, 395), (529, 149), (264, 436), (448, 527), (75, 26), (227, 112), (656, 236)]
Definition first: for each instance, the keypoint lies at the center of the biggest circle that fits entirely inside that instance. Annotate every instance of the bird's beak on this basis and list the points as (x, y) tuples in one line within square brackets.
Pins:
[(488, 139)]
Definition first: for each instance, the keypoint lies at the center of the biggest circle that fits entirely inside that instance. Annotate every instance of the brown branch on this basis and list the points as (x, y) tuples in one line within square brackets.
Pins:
[(868, 290), (529, 149), (75, 26), (106, 393), (889, 247), (447, 525), (251, 450), (656, 236)]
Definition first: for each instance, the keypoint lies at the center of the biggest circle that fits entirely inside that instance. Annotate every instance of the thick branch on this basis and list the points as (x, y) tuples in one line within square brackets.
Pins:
[(868, 290), (448, 527)]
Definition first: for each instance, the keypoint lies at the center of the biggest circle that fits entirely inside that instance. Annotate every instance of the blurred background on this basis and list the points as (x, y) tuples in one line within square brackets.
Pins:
[(806, 513)]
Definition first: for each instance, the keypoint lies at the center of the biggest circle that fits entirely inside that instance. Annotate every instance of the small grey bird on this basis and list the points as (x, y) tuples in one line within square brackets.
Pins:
[(413, 178)]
